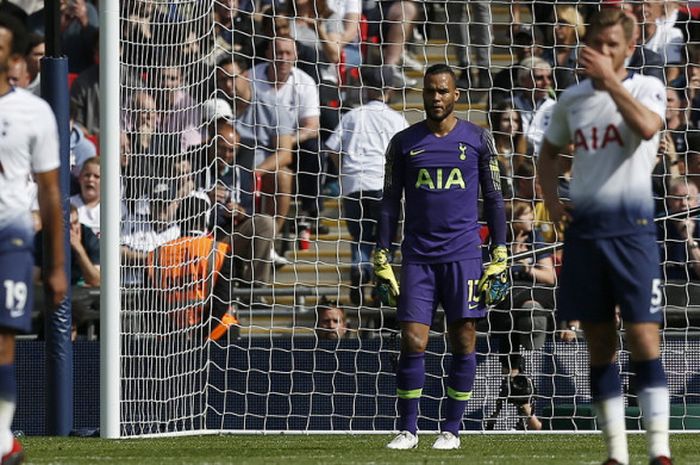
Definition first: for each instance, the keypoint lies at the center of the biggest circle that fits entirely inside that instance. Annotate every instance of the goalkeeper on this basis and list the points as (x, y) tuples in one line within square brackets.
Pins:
[(439, 164)]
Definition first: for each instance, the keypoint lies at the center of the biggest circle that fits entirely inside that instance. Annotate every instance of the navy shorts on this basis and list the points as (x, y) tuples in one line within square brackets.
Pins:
[(424, 286), (16, 287), (599, 274)]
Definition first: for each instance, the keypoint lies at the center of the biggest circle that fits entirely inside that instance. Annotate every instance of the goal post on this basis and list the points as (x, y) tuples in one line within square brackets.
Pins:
[(110, 290), (169, 70)]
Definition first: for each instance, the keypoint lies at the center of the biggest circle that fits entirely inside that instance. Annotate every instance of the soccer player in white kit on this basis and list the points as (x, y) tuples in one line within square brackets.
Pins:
[(611, 258), (28, 148)]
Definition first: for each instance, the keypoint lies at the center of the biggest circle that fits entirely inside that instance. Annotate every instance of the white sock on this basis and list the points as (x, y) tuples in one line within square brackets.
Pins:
[(611, 420), (7, 412), (656, 411)]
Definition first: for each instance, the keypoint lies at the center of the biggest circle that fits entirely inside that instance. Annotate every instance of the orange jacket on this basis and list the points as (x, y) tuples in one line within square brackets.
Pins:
[(184, 272)]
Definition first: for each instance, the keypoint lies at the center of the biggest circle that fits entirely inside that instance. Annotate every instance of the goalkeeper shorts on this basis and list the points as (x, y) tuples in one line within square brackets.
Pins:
[(599, 274), (454, 285)]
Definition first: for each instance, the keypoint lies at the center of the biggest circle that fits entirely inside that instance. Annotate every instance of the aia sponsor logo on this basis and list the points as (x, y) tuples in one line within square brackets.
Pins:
[(596, 138)]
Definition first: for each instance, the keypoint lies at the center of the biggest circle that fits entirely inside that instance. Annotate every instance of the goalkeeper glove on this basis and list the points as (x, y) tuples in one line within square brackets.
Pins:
[(494, 283), (386, 284)]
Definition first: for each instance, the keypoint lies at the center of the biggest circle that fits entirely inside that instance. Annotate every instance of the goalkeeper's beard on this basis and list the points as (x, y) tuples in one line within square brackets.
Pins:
[(449, 109)]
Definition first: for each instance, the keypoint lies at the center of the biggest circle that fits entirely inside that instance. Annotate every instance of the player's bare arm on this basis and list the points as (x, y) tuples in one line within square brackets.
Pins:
[(52, 217), (548, 171), (608, 76)]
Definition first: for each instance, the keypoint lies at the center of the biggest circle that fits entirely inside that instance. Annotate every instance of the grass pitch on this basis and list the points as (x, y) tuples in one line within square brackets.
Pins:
[(583, 449)]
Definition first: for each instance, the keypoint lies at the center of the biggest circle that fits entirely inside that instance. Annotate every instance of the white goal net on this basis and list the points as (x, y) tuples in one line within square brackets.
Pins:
[(247, 299)]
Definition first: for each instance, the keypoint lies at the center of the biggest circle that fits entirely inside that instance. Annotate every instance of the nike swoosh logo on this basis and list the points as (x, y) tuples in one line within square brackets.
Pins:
[(413, 153), (472, 307), (655, 309)]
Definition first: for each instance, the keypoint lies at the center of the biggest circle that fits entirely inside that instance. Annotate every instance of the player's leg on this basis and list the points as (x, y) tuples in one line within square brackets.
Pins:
[(416, 306), (460, 381), (652, 390), (8, 389), (638, 292), (586, 294), (16, 302), (457, 291), (606, 389), (410, 374)]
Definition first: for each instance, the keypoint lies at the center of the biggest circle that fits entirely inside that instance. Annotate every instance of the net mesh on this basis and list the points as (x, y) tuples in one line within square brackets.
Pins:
[(281, 251)]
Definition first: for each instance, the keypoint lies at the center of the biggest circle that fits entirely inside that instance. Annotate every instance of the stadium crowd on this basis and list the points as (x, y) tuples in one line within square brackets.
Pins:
[(286, 103)]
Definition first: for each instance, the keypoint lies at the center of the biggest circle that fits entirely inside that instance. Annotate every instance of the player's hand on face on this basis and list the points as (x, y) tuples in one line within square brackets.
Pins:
[(57, 285), (595, 65)]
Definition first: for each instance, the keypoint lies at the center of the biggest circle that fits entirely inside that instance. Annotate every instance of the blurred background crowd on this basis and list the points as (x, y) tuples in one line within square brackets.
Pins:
[(271, 118)]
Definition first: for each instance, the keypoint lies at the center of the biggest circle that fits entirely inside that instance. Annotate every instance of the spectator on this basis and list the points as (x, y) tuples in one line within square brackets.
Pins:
[(644, 60), (142, 120), (392, 22), (477, 41), (331, 323), (569, 30), (189, 269), (143, 231), (85, 253), (358, 146), (526, 43), (276, 25), (85, 94), (178, 113), (88, 200), (17, 75), (524, 318), (692, 161), (343, 29), (676, 118), (78, 23), (679, 235), (266, 142), (534, 102), (326, 31), (660, 36), (81, 150), (233, 21), (35, 53), (85, 272), (506, 129), (234, 219), (295, 92)]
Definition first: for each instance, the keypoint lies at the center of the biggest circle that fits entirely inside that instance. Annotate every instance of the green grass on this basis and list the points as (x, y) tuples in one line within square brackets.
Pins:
[(342, 450)]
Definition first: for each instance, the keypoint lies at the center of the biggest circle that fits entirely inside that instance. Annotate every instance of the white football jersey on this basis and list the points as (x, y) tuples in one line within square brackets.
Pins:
[(611, 180), (362, 138), (28, 144)]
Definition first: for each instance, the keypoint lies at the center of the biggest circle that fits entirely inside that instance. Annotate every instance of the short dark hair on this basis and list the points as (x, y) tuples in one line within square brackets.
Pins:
[(18, 31), (609, 17), (230, 59), (34, 39), (496, 113), (441, 68)]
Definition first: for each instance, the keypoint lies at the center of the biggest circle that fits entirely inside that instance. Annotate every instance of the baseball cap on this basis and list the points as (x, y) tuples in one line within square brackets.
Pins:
[(215, 109)]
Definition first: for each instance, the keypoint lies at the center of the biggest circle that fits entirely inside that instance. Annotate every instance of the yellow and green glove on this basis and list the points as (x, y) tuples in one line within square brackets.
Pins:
[(494, 284), (386, 285)]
